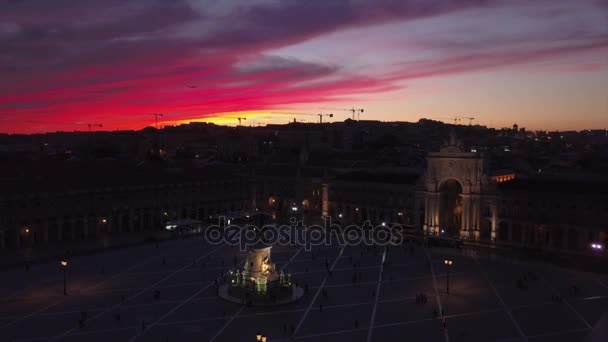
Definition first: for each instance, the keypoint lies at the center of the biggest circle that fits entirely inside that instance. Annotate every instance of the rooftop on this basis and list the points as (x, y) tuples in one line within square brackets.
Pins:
[(556, 185)]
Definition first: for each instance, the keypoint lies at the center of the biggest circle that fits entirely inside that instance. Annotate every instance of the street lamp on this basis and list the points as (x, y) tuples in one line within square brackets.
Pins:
[(64, 265), (260, 337), (448, 264)]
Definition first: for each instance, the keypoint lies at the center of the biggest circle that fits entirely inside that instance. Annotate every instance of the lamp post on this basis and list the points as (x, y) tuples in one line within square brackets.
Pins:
[(64, 265), (448, 264), (261, 338)]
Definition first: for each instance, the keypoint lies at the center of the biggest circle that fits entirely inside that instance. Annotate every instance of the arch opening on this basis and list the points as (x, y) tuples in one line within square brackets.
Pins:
[(450, 207)]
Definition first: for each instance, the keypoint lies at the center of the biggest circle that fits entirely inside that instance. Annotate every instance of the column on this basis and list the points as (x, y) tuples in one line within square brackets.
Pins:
[(131, 222), (85, 227), (116, 221), (142, 225), (425, 224), (465, 218), (493, 209), (325, 199), (416, 211), (99, 224), (477, 217), (2, 242), (434, 213), (253, 194), (59, 230), (17, 238), (119, 226), (45, 232), (436, 208), (96, 220), (73, 230)]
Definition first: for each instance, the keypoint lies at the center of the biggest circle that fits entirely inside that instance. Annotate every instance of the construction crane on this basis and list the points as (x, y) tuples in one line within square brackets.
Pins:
[(94, 125), (456, 119), (320, 115), (88, 124), (470, 119), (236, 118), (358, 111), (156, 119), (353, 110)]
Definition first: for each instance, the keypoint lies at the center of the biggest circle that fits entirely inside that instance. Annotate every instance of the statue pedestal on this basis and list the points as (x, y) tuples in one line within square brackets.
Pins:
[(291, 294)]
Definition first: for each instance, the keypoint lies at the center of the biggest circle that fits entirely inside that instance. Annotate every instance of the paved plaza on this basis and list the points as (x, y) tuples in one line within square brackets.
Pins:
[(168, 293)]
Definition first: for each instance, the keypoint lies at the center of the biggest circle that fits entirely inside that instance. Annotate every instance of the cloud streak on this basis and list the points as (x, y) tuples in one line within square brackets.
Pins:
[(115, 61)]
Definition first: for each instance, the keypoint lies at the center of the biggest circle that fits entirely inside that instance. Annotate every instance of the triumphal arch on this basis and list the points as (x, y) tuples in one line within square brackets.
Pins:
[(453, 186)]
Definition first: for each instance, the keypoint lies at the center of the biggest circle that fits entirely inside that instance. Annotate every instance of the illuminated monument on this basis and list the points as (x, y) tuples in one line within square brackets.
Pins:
[(259, 283), (454, 182)]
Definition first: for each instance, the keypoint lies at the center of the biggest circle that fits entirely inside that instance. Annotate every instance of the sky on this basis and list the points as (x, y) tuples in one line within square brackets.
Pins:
[(65, 64)]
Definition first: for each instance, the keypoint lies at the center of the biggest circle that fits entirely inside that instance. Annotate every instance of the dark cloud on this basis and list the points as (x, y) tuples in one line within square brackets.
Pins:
[(127, 53)]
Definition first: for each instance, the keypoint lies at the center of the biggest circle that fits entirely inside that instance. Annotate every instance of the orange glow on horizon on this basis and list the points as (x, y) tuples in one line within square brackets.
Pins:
[(251, 118)]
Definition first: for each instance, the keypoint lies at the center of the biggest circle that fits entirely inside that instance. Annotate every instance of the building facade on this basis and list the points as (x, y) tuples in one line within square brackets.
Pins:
[(455, 196), (38, 212)]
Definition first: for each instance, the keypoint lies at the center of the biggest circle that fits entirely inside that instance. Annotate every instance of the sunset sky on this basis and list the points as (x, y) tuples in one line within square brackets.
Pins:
[(63, 63)]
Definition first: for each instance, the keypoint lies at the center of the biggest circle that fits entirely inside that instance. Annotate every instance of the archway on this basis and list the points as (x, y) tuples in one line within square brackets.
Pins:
[(573, 239), (450, 207), (53, 232), (503, 231), (12, 238), (558, 237), (67, 231), (485, 231), (517, 233)]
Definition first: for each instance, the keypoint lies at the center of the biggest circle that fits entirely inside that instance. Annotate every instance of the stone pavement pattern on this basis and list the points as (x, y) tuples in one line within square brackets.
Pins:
[(360, 298)]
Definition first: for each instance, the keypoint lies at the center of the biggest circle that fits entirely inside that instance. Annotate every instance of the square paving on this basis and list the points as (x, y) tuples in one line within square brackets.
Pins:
[(360, 298)]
